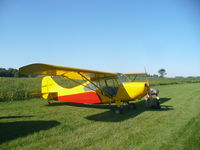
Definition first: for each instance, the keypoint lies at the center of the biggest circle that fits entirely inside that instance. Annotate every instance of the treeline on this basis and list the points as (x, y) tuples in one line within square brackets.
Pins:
[(10, 72)]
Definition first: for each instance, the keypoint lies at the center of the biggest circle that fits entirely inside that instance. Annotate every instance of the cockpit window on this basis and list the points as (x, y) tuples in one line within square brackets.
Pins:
[(122, 78), (90, 87)]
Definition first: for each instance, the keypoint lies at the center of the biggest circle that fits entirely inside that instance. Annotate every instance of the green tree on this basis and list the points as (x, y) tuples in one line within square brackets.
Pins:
[(10, 72), (162, 72), (3, 72)]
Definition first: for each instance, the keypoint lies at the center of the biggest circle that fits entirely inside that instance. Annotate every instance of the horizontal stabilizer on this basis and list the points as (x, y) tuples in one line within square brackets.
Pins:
[(50, 95)]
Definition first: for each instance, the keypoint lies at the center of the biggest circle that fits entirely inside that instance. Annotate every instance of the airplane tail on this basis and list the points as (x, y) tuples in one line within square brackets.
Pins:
[(50, 88)]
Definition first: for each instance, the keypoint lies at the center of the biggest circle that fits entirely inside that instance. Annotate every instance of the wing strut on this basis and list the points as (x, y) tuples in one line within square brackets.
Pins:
[(107, 94), (89, 81), (79, 83), (134, 77)]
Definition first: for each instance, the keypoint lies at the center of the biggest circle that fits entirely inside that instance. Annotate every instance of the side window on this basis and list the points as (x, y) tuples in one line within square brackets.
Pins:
[(109, 85), (90, 87), (122, 78)]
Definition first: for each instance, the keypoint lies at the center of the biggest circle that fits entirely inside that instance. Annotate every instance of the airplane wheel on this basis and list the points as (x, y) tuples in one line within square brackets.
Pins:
[(132, 106), (118, 110), (158, 103)]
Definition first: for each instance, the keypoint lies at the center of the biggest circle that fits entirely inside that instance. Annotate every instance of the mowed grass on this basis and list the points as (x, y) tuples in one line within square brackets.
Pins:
[(32, 124)]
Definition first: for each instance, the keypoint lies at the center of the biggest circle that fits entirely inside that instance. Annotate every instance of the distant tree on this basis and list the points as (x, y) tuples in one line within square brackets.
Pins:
[(162, 72), (155, 75), (179, 77), (190, 77), (10, 72), (3, 72), (148, 75)]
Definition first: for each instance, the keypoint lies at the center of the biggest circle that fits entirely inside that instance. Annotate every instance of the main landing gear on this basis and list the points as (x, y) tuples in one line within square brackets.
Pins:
[(158, 103), (119, 108)]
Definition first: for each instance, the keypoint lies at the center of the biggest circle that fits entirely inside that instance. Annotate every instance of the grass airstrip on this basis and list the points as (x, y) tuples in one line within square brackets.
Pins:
[(32, 124)]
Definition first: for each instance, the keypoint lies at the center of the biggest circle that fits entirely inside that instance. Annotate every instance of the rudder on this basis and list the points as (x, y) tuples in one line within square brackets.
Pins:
[(49, 88)]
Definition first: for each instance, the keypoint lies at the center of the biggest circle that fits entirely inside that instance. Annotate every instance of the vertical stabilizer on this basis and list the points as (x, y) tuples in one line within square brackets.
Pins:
[(50, 88)]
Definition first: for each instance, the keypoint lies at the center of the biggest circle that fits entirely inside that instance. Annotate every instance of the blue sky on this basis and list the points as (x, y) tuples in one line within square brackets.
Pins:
[(106, 35)]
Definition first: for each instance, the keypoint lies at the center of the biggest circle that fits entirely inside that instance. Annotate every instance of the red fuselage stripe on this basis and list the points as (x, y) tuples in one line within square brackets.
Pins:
[(88, 97)]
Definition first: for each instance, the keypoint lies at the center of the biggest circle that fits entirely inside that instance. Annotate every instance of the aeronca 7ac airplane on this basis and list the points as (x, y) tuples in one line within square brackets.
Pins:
[(99, 87)]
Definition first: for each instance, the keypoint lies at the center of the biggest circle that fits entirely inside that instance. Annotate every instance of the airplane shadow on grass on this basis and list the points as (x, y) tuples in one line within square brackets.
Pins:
[(13, 130), (11, 117), (109, 116)]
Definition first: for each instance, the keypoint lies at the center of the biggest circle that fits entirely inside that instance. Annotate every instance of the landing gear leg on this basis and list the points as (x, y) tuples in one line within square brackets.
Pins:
[(158, 103), (119, 108)]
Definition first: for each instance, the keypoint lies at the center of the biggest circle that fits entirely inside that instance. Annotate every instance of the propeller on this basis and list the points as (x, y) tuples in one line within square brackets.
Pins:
[(146, 77)]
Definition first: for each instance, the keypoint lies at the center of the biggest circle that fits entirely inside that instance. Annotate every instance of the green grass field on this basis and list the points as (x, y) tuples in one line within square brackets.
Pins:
[(32, 124)]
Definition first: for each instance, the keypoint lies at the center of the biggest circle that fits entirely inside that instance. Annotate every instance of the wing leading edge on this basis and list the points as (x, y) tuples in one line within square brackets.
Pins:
[(72, 73), (68, 72)]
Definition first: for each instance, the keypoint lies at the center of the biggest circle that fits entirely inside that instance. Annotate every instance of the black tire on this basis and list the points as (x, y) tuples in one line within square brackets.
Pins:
[(118, 111), (158, 103)]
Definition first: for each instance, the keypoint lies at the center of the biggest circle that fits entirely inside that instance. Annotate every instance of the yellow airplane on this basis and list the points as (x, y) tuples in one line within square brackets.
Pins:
[(99, 87)]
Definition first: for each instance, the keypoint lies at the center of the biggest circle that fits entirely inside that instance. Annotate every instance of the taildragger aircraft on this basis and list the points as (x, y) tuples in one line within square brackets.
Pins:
[(99, 87)]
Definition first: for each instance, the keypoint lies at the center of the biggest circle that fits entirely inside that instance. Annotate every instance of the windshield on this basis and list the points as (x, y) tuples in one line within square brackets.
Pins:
[(122, 78)]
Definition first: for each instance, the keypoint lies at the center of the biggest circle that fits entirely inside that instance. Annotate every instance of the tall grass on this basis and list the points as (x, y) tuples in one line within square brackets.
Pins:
[(12, 89), (18, 88)]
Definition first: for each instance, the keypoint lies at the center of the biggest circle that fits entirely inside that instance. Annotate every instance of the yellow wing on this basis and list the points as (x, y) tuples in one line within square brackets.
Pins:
[(72, 73)]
